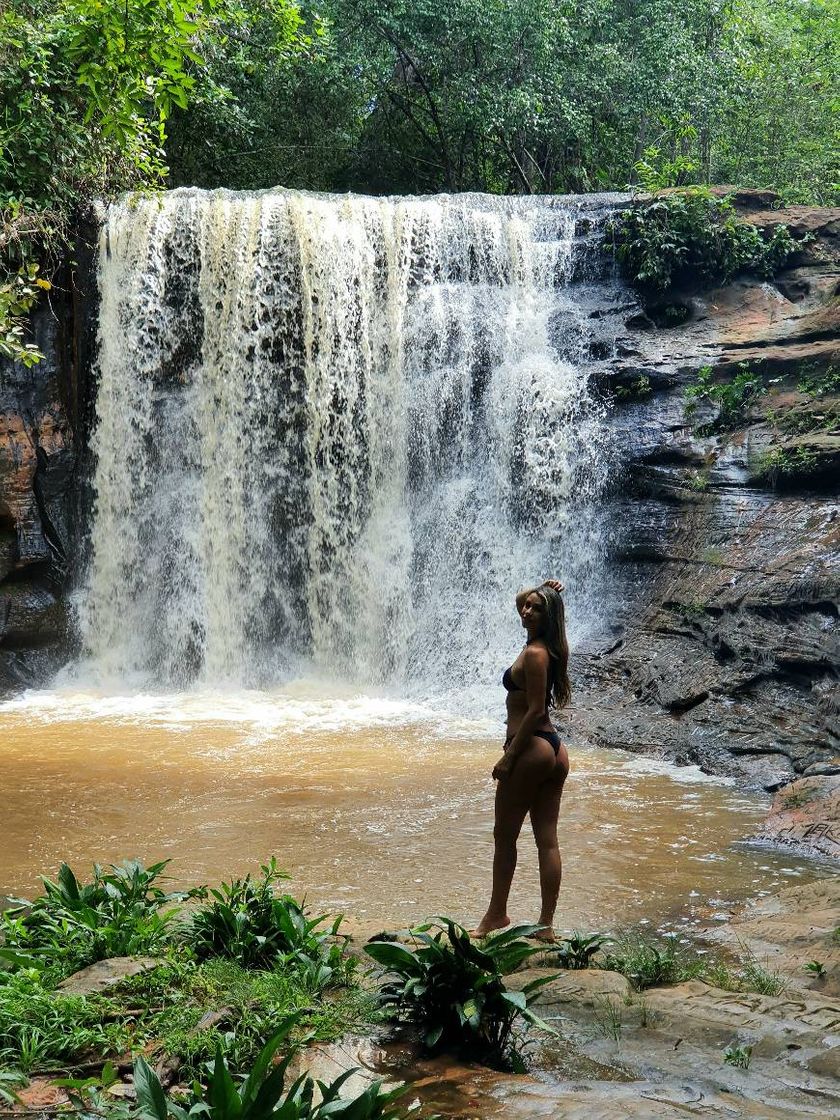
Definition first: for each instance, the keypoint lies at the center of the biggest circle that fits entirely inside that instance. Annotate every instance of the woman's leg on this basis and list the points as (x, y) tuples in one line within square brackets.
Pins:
[(545, 809), (514, 795)]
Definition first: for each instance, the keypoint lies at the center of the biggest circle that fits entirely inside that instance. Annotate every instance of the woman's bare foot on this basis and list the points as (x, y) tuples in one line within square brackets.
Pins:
[(488, 924), (545, 934)]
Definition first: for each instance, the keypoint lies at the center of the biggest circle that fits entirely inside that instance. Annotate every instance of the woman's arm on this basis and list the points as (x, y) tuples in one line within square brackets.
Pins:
[(535, 663)]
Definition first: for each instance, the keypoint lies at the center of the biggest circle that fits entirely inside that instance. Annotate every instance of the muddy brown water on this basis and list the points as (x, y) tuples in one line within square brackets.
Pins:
[(378, 808)]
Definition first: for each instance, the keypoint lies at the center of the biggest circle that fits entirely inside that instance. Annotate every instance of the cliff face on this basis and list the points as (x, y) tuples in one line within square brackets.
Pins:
[(725, 525), (43, 422)]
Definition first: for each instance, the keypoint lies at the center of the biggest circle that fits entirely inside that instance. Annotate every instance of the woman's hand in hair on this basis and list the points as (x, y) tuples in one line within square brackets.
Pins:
[(555, 585)]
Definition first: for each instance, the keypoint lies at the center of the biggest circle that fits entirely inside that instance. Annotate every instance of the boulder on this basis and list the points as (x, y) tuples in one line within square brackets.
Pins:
[(102, 975), (806, 814)]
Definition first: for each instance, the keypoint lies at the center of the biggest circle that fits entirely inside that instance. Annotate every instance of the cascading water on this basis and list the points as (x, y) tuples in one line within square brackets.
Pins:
[(339, 433)]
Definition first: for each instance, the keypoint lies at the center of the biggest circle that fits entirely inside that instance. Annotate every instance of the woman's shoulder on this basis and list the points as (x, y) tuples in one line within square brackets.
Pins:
[(536, 653)]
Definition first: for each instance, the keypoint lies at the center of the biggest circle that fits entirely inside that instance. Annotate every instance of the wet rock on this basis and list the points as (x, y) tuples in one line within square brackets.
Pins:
[(30, 616), (44, 413), (806, 813), (787, 931), (105, 974), (583, 987)]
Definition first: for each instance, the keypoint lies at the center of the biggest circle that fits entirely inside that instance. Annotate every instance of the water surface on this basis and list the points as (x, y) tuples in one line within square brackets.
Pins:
[(378, 808)]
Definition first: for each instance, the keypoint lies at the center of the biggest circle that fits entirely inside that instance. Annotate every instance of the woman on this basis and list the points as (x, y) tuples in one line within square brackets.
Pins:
[(535, 764)]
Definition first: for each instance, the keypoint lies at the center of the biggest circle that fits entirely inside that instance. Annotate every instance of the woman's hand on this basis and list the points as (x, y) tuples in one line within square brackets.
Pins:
[(503, 767), (554, 584)]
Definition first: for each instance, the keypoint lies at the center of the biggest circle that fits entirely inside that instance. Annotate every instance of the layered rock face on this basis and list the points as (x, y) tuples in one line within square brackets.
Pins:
[(43, 412), (724, 528)]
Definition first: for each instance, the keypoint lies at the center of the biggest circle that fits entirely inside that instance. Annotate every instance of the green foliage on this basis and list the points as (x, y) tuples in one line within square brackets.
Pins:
[(87, 88), (42, 1029), (732, 398), (454, 990), (17, 297), (10, 1079), (819, 383), (640, 387), (577, 951), (816, 968), (250, 923), (739, 1056), (609, 1017), (658, 168), (648, 961), (780, 463), (256, 1002), (754, 977), (693, 236), (263, 1094), (119, 913), (524, 95), (698, 481)]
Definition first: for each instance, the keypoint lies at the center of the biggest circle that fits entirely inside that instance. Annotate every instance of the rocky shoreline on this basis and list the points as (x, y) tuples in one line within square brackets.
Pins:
[(658, 1054)]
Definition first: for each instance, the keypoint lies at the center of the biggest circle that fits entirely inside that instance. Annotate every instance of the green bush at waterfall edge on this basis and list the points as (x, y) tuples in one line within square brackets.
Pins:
[(695, 236), (191, 1004), (452, 988)]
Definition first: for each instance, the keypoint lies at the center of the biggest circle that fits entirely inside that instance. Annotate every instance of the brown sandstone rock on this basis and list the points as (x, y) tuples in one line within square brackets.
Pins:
[(806, 813)]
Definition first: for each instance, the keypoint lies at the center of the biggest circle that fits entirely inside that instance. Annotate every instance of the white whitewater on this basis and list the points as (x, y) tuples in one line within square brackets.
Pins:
[(335, 434)]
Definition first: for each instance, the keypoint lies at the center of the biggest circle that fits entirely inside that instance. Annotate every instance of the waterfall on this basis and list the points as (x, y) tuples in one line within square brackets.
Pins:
[(336, 434)]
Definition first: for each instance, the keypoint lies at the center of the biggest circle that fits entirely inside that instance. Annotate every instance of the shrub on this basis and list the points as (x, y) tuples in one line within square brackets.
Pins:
[(732, 398), (253, 925), (119, 913), (696, 236), (263, 1093), (455, 992), (577, 951), (814, 383), (786, 463)]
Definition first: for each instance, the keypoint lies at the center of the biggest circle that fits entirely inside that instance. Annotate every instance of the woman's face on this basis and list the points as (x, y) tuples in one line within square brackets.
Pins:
[(533, 614)]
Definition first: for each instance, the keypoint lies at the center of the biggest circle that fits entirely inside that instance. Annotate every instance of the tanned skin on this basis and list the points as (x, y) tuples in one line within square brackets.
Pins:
[(530, 779)]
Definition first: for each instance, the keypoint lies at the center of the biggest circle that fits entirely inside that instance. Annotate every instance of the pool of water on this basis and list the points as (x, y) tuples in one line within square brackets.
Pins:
[(378, 808)]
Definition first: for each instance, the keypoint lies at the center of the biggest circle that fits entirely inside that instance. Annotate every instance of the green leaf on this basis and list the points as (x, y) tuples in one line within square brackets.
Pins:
[(392, 956), (151, 1101)]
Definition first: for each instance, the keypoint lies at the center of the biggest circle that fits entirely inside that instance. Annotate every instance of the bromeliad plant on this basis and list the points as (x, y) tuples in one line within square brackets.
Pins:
[(263, 1095), (249, 922), (454, 989)]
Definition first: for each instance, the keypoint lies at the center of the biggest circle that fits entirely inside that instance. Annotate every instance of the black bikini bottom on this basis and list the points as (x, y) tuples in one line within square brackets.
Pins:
[(550, 737)]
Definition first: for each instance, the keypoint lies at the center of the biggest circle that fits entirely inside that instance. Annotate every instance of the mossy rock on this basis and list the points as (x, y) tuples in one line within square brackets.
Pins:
[(809, 460)]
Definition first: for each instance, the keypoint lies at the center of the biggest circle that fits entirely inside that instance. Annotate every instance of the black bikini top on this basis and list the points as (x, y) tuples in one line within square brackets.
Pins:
[(510, 685), (508, 682)]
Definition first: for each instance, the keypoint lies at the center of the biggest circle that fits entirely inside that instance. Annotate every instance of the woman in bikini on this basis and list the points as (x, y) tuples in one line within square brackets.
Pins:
[(535, 764)]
